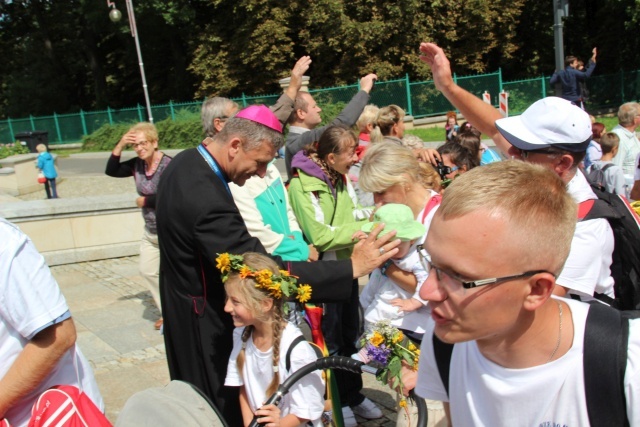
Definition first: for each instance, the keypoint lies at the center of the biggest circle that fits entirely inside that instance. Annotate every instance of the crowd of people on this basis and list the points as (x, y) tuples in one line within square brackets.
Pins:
[(478, 258)]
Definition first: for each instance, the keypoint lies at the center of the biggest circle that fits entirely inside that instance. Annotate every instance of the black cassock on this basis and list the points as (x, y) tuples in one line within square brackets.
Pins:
[(197, 219)]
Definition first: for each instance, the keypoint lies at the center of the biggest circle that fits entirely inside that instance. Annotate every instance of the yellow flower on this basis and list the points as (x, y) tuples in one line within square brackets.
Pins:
[(412, 347), (223, 262), (304, 293), (377, 339), (264, 277), (245, 272), (399, 337), (275, 290), (403, 403), (284, 273)]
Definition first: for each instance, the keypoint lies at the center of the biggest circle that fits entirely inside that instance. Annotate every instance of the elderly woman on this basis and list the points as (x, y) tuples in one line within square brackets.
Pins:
[(145, 170), (325, 204), (394, 175)]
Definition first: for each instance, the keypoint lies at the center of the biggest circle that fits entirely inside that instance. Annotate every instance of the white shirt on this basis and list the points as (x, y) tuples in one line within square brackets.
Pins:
[(588, 266), (305, 398), (482, 393), (628, 150), (30, 300)]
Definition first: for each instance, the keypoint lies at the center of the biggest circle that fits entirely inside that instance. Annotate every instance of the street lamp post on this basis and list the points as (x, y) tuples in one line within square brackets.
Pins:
[(560, 10), (115, 15)]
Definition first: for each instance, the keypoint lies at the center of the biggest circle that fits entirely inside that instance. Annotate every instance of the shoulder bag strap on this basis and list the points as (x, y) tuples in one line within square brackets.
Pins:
[(287, 359), (442, 352), (606, 338)]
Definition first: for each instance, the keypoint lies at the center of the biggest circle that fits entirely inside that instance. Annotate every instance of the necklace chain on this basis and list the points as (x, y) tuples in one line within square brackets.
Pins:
[(559, 334)]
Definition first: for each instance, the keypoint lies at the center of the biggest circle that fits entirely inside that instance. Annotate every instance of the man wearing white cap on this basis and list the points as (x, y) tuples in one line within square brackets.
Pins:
[(197, 220), (554, 133)]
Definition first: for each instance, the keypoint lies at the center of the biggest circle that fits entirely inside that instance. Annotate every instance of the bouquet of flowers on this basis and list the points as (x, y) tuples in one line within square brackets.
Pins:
[(386, 347)]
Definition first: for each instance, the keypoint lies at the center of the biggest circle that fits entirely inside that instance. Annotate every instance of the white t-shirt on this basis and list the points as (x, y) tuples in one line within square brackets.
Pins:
[(482, 393), (305, 398), (588, 266), (30, 300)]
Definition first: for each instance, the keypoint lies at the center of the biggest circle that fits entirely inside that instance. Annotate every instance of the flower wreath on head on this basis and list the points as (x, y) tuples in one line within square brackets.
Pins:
[(275, 285)]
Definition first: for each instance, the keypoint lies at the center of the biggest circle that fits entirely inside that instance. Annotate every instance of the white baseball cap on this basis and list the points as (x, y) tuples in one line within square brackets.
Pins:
[(549, 122)]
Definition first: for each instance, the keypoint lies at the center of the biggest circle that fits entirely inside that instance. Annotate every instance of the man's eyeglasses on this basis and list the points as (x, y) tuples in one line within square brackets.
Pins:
[(452, 279)]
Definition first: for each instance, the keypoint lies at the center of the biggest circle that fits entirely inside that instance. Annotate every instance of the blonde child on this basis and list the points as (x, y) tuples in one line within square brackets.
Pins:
[(255, 291), (382, 298), (46, 164)]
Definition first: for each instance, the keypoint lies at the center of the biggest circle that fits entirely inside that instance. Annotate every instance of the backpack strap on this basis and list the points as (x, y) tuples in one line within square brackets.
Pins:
[(607, 166), (442, 352), (606, 338), (287, 359)]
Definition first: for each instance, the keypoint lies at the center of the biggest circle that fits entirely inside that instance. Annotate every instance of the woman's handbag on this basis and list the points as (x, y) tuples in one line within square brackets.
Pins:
[(41, 178)]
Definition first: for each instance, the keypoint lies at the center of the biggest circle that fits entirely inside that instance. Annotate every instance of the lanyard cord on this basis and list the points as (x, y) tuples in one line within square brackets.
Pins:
[(214, 166)]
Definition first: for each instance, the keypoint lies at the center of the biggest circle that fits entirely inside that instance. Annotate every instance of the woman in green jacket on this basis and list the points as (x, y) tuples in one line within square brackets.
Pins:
[(326, 207)]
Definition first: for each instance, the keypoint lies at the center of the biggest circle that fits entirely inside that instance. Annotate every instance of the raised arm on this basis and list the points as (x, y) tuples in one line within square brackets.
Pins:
[(482, 115), (115, 168), (298, 71), (284, 105)]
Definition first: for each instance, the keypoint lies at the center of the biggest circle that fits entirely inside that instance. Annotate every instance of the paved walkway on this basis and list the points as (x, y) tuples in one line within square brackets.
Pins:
[(114, 316)]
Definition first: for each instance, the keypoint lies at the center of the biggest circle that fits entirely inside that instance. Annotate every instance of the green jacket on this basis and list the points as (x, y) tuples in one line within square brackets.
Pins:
[(327, 222)]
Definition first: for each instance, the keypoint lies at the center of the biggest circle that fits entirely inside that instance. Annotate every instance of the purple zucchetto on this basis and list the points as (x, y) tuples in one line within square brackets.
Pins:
[(261, 114)]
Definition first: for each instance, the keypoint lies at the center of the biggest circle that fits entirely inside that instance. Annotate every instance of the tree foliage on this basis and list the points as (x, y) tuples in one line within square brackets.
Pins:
[(62, 56)]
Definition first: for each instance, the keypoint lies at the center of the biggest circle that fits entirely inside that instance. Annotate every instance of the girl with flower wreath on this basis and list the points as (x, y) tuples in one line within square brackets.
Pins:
[(256, 291)]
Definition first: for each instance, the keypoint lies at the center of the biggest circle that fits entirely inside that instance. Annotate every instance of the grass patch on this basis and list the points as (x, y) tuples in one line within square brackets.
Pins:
[(608, 122), (432, 134)]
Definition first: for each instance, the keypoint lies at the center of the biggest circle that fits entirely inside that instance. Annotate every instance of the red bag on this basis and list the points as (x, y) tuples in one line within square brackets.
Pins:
[(66, 406), (41, 178)]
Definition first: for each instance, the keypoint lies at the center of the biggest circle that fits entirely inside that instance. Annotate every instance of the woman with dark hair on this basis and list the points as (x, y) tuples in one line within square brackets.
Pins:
[(594, 151), (326, 207), (456, 160)]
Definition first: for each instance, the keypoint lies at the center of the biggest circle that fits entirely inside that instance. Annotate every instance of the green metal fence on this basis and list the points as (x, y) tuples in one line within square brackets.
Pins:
[(419, 99)]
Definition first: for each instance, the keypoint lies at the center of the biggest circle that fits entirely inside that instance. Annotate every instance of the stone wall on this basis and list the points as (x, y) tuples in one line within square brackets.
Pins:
[(81, 229), (19, 175)]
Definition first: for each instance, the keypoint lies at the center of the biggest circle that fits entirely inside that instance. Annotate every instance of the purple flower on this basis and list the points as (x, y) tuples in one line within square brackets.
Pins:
[(379, 354)]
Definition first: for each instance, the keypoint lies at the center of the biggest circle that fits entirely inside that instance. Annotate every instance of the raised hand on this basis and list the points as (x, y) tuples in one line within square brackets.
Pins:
[(298, 71), (434, 56), (366, 83)]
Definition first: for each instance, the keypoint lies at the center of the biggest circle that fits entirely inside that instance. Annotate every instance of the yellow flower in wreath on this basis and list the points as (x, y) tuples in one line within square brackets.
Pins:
[(223, 263), (245, 272)]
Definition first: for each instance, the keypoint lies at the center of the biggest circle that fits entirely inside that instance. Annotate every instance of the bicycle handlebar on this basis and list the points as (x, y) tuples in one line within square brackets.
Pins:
[(333, 362)]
